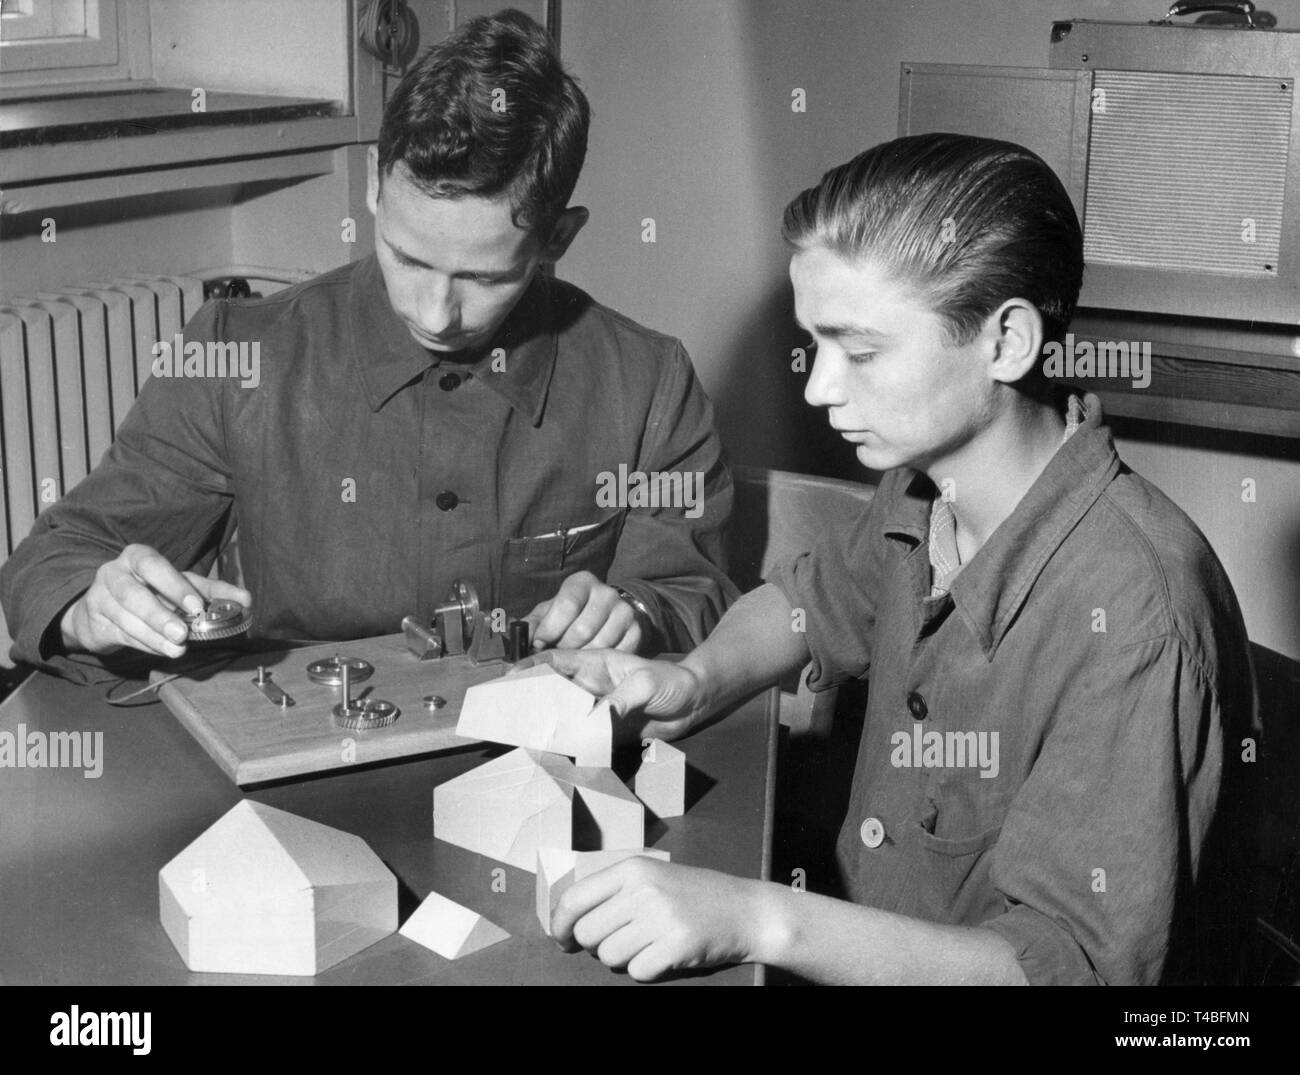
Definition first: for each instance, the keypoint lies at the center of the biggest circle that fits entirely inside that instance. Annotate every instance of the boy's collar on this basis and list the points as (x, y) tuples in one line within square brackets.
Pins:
[(945, 557), (992, 587)]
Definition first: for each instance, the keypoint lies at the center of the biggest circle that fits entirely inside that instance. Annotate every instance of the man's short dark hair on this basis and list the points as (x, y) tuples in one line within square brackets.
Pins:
[(970, 222), (491, 111)]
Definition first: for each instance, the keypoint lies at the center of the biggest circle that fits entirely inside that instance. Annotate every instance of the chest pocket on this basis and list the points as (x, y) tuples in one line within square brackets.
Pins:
[(952, 877), (532, 568), (953, 840)]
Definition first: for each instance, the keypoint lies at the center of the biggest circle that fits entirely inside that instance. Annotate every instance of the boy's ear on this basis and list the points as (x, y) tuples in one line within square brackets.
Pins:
[(566, 229), (1019, 328), (372, 179)]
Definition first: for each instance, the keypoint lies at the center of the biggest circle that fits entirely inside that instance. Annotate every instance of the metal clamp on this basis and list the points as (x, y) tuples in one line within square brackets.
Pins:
[(273, 691), (460, 626)]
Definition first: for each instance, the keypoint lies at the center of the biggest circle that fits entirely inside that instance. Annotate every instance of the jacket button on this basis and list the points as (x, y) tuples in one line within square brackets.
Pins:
[(449, 382), (872, 832), (446, 500), (916, 705)]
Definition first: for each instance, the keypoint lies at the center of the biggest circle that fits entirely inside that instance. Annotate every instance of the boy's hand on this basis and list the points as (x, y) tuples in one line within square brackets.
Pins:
[(585, 613), (671, 696), (127, 605), (653, 917)]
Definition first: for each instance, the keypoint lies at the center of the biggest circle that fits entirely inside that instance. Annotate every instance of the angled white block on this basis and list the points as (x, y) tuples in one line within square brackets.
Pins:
[(660, 782), (541, 710), (618, 814), (263, 891), (451, 929), (588, 738), (554, 875), (508, 812), (557, 869)]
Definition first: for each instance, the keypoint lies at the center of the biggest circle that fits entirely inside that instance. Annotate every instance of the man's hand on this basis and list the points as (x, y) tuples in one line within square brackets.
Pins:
[(125, 607), (585, 613), (652, 917), (667, 697)]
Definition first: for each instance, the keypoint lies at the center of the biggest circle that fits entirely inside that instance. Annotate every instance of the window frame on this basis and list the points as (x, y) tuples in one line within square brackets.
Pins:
[(111, 48)]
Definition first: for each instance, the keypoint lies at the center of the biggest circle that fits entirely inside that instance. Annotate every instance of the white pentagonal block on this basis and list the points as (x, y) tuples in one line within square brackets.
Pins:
[(451, 929), (506, 809), (558, 869), (264, 891), (660, 782), (541, 710)]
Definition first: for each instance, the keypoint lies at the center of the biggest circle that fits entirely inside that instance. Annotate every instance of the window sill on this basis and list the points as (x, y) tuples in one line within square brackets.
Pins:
[(82, 131)]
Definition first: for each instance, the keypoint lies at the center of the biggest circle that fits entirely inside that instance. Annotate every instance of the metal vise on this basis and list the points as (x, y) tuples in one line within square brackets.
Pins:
[(460, 626)]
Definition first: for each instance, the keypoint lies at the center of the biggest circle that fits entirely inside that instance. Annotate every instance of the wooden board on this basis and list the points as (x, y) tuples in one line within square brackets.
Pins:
[(254, 741)]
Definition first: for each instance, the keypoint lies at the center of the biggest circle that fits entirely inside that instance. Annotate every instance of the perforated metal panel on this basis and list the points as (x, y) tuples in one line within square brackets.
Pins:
[(1188, 172)]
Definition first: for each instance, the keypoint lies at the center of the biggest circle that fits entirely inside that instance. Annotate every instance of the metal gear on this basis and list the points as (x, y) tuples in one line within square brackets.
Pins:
[(221, 619), (365, 714)]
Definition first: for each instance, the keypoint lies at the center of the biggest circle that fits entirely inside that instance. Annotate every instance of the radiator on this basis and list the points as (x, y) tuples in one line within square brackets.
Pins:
[(72, 361)]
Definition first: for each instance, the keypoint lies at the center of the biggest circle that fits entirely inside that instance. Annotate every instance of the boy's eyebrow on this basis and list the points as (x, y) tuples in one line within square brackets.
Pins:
[(839, 330)]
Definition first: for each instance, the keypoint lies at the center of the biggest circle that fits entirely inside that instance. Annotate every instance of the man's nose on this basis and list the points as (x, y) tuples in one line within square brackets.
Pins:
[(439, 310), (825, 387)]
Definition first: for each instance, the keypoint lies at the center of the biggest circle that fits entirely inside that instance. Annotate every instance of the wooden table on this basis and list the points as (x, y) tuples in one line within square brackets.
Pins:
[(79, 856)]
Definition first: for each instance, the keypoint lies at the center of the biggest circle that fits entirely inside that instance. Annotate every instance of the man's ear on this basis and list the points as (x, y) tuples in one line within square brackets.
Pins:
[(372, 179), (1019, 329), (566, 229)]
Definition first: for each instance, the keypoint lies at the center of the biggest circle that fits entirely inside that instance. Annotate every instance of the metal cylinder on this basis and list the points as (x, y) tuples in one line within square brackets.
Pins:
[(517, 643)]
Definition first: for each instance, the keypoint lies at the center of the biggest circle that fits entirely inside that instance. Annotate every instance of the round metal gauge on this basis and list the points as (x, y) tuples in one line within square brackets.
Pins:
[(330, 670)]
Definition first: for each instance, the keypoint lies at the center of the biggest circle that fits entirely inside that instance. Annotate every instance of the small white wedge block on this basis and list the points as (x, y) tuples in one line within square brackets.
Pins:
[(450, 929)]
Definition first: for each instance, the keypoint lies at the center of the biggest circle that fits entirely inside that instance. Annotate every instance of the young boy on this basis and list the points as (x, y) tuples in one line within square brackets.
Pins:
[(1059, 674)]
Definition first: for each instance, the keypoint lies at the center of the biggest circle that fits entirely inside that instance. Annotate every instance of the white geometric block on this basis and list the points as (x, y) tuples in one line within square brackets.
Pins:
[(509, 807), (263, 891), (449, 929), (660, 782), (505, 809), (588, 738), (541, 710), (618, 814), (558, 869)]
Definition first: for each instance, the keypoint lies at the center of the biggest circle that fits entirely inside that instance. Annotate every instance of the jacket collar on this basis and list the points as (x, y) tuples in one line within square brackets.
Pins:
[(386, 358), (994, 585)]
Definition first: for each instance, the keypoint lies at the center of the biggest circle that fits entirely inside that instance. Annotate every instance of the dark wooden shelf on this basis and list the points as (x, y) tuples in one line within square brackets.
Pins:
[(92, 116), (1214, 374)]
